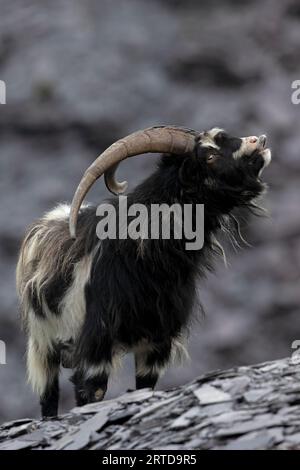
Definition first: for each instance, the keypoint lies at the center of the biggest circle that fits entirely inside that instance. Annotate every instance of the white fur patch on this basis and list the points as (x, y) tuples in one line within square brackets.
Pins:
[(208, 138), (62, 211), (38, 372), (67, 325), (243, 150), (267, 156), (72, 306), (179, 353), (214, 131)]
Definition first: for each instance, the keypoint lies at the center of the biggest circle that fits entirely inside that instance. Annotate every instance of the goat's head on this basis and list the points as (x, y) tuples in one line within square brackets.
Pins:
[(226, 155), (229, 168), (225, 165)]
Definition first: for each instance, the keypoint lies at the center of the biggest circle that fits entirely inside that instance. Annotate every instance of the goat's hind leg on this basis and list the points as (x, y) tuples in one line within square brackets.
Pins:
[(49, 399), (43, 373)]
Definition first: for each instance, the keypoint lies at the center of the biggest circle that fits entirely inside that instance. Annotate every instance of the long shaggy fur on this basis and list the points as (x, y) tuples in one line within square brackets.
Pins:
[(85, 303)]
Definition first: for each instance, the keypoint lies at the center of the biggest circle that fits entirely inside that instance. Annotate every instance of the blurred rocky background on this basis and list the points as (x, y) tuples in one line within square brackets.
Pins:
[(80, 75)]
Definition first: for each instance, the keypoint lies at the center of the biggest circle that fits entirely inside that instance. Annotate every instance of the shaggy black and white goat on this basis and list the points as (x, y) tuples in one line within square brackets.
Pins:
[(86, 302)]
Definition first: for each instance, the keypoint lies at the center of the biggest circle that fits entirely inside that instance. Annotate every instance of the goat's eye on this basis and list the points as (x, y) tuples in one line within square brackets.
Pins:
[(212, 157)]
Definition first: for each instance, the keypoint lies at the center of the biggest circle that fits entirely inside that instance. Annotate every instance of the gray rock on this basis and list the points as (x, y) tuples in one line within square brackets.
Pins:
[(236, 386), (193, 416), (256, 395), (253, 441), (208, 395)]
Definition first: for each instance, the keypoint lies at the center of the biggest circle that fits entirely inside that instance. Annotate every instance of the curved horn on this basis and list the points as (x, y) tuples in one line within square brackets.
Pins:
[(161, 139)]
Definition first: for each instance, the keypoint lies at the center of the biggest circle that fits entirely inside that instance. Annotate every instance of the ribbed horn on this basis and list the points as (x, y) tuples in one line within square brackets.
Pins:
[(160, 139)]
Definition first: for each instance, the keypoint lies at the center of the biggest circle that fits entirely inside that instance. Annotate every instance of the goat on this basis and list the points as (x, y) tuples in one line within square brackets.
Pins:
[(86, 302)]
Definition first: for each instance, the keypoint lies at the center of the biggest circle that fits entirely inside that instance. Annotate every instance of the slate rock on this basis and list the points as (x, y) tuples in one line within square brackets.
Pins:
[(253, 407)]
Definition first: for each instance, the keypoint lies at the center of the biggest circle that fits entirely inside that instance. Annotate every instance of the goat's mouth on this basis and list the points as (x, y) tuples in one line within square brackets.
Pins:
[(256, 153), (264, 153)]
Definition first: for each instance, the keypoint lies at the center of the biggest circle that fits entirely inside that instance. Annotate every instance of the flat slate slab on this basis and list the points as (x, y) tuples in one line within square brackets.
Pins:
[(255, 407)]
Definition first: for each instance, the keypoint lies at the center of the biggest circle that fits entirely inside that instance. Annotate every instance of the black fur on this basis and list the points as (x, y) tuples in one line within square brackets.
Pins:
[(133, 297), (49, 400), (86, 388)]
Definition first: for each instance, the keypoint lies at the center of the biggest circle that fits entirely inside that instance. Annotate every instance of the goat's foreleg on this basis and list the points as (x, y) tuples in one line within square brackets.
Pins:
[(150, 363), (90, 383)]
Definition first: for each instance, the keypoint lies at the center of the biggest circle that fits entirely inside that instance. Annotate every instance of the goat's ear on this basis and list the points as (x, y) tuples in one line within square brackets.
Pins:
[(188, 172), (221, 138)]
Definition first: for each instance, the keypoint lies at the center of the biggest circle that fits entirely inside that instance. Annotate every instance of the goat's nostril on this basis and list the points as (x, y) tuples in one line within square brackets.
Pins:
[(253, 140)]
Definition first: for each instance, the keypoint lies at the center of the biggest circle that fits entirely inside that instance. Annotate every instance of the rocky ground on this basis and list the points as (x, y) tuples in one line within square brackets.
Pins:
[(81, 74), (246, 408)]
